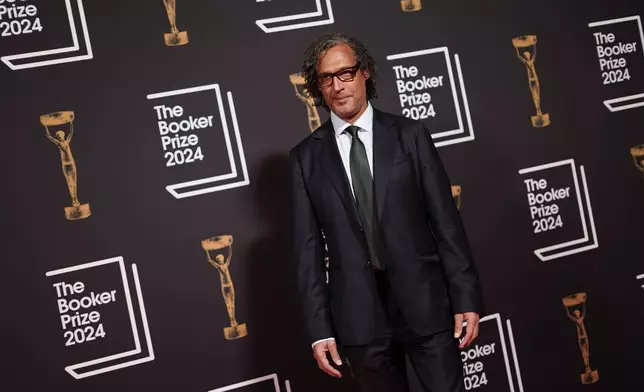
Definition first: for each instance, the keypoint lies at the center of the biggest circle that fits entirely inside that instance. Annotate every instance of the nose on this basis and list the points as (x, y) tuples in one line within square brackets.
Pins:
[(337, 84)]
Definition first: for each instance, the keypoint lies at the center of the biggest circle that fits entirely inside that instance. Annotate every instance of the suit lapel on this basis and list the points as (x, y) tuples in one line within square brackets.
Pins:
[(331, 163), (385, 140)]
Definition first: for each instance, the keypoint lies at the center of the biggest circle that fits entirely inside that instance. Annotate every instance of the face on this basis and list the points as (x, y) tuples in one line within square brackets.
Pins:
[(348, 99)]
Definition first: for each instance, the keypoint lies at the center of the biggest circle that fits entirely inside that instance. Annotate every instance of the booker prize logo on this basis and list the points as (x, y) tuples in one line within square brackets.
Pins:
[(559, 211), (96, 314), (575, 305), (526, 47), (486, 363), (59, 129), (426, 87), (618, 45), (298, 82), (323, 15), (411, 5), (217, 246), (174, 37), (22, 18), (196, 148)]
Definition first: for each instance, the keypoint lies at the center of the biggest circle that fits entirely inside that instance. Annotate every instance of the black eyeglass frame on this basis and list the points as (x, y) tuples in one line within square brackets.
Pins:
[(343, 75)]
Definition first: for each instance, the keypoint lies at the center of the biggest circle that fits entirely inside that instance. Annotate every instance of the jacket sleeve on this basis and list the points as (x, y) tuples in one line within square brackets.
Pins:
[(308, 249), (449, 232)]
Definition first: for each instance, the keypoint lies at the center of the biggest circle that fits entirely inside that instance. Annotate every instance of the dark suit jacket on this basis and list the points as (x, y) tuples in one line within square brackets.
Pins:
[(421, 236)]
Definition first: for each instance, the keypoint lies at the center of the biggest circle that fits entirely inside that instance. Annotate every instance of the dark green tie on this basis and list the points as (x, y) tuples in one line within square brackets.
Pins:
[(362, 182)]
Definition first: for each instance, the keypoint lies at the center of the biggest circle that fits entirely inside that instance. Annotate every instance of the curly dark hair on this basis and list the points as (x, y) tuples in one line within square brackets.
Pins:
[(316, 50)]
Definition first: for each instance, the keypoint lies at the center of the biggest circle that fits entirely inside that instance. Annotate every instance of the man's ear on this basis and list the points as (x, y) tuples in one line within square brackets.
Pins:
[(366, 74)]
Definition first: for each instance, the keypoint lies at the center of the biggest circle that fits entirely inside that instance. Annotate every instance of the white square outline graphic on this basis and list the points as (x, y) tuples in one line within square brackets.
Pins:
[(257, 380), (265, 24), (172, 189), (135, 333), (517, 369), (609, 102), (506, 359), (595, 243), (75, 47), (457, 105)]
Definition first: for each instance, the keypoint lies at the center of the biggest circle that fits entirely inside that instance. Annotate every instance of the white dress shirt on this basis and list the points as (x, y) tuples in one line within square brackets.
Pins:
[(365, 134)]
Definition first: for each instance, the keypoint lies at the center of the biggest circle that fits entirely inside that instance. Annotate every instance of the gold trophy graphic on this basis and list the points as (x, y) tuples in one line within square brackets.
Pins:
[(410, 5), (526, 47), (302, 93), (174, 37), (575, 305), (456, 194), (214, 244), (637, 153), (52, 123)]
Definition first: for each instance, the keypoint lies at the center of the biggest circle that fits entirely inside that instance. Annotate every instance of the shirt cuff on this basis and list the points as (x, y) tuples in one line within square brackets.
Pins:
[(321, 340)]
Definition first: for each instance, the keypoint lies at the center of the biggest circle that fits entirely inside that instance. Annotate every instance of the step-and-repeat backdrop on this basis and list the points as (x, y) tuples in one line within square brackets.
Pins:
[(158, 258)]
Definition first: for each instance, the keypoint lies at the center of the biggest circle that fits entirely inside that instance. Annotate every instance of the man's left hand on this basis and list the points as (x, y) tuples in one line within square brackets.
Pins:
[(472, 330)]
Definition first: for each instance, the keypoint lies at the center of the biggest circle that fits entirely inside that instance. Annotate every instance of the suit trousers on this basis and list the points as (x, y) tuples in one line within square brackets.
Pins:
[(380, 366)]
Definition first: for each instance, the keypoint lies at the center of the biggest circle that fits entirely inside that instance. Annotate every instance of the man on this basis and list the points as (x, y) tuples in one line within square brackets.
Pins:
[(371, 188)]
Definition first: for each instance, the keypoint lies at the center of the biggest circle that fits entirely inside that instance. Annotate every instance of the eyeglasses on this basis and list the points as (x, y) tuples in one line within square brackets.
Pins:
[(344, 75)]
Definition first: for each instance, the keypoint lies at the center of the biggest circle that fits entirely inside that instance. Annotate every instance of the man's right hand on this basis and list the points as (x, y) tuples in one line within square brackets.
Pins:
[(320, 354)]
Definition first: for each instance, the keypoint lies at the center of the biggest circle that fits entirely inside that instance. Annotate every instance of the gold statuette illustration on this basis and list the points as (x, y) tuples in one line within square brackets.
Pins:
[(410, 5), (174, 37), (575, 305), (526, 47), (637, 153), (302, 93), (53, 123), (215, 245), (456, 194)]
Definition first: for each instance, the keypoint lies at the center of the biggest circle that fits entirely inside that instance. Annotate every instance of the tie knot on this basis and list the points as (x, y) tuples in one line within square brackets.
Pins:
[(353, 131)]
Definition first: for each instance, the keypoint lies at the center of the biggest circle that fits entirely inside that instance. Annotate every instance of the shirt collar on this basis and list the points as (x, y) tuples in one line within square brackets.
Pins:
[(365, 121)]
